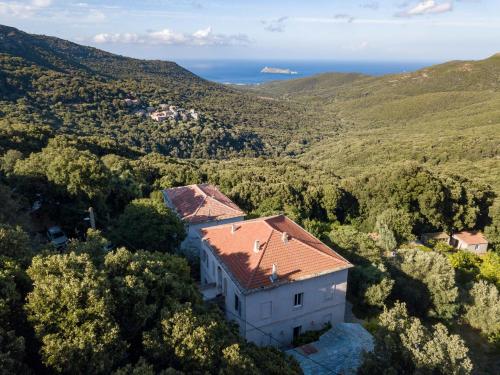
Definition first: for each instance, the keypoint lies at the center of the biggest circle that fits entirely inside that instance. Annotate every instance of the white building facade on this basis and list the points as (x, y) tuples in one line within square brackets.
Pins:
[(474, 242), (272, 310)]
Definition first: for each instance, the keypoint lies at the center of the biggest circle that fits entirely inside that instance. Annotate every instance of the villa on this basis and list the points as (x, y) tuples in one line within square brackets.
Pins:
[(276, 279), (200, 206)]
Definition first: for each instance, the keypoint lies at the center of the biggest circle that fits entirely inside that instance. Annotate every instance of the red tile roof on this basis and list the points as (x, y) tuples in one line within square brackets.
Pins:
[(471, 238), (300, 257), (202, 203)]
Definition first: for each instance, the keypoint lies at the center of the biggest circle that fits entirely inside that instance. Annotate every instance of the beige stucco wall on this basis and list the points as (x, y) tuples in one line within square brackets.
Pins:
[(320, 305), (479, 249), (323, 302)]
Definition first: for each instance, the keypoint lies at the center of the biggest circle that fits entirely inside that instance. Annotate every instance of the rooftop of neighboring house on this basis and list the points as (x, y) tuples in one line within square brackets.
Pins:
[(471, 237), (249, 249), (436, 236), (201, 203)]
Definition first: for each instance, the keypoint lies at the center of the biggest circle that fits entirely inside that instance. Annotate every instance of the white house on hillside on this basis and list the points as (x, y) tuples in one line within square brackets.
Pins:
[(200, 206), (277, 279), (474, 242)]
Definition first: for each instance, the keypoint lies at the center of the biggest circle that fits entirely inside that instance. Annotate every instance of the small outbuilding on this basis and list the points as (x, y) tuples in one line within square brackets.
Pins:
[(434, 237), (472, 241)]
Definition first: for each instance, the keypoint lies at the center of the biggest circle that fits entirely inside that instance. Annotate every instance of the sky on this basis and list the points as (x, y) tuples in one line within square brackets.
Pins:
[(342, 30)]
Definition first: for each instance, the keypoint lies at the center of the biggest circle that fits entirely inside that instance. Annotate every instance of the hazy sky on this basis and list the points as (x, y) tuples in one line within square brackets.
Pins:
[(428, 30)]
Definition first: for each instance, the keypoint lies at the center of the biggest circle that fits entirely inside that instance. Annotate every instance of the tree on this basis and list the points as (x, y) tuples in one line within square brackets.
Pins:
[(466, 265), (490, 267), (94, 245), (149, 225), (193, 341), (492, 231), (398, 222), (436, 273), (12, 345), (236, 362), (142, 367), (316, 228), (145, 285), (386, 240), (358, 246), (484, 311), (404, 345), (124, 184), (376, 294), (78, 173), (70, 309), (11, 208), (15, 244), (8, 161)]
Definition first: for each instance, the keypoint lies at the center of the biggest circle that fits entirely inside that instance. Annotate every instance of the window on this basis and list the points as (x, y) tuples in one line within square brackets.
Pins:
[(237, 304), (330, 292), (297, 331), (266, 309), (298, 299), (476, 247), (205, 257)]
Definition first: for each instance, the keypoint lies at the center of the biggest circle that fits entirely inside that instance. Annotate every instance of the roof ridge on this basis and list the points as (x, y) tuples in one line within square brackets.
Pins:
[(255, 220), (225, 205), (217, 200), (332, 253), (250, 279), (199, 206)]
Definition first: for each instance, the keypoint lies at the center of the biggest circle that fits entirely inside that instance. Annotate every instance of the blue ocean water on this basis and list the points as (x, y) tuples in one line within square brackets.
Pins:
[(248, 71)]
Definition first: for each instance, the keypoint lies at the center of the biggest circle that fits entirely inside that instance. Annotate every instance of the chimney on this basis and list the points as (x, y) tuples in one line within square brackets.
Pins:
[(284, 237), (274, 274), (256, 246), (233, 228)]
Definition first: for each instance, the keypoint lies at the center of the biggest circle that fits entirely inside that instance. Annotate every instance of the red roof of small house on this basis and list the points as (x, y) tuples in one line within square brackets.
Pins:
[(202, 203), (471, 238), (296, 253)]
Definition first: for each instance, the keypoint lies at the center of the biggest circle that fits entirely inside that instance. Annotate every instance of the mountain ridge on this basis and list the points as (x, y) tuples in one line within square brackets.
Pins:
[(81, 90)]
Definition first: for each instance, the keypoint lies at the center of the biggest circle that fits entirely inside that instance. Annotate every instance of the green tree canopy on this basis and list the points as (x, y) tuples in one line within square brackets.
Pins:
[(438, 276), (484, 311), (144, 285), (70, 309), (12, 344), (399, 222), (78, 173), (403, 345), (149, 225), (490, 267), (15, 244)]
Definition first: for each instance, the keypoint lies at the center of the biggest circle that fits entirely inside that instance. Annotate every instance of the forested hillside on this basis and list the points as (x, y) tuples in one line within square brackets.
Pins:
[(81, 90), (366, 164), (445, 116)]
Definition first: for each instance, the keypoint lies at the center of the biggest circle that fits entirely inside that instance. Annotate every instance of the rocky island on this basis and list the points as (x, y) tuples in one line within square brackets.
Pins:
[(269, 70)]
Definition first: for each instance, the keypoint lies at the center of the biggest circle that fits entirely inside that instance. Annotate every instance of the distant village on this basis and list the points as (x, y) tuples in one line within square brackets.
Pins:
[(162, 112)]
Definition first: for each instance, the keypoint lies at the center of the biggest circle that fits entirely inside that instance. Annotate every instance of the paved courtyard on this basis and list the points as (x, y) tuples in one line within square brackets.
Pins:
[(338, 351)]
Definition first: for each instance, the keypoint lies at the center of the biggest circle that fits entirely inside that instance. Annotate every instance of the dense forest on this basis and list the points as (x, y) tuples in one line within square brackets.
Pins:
[(303, 148)]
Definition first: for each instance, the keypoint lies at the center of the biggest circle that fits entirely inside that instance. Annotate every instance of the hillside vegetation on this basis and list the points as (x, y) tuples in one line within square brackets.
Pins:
[(342, 155), (81, 90), (446, 116)]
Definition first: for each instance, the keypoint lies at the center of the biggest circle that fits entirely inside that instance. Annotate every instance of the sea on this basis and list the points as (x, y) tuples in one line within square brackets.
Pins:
[(248, 72)]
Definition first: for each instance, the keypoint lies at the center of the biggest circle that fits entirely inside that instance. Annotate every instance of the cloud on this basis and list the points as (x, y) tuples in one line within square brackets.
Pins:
[(373, 5), (346, 17), (427, 7), (276, 25), (23, 9), (203, 37)]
